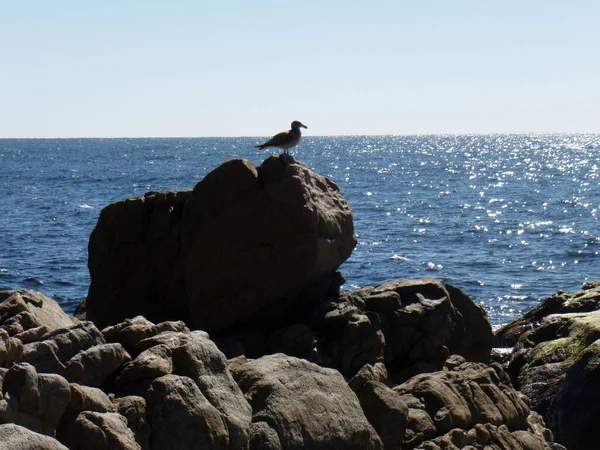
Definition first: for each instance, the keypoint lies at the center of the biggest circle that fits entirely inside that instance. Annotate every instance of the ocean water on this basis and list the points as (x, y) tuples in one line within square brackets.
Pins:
[(508, 218)]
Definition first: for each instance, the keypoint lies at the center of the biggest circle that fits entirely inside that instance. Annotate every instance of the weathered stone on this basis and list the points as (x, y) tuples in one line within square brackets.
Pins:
[(561, 302), (39, 310), (434, 320), (92, 366), (32, 334), (263, 437), (554, 363), (95, 430), (368, 372), (131, 331), (151, 363), (52, 352), (133, 408), (308, 406), (163, 256), (198, 358), (182, 418), (86, 398), (348, 337), (15, 437), (43, 396), (11, 349), (470, 394), (386, 411)]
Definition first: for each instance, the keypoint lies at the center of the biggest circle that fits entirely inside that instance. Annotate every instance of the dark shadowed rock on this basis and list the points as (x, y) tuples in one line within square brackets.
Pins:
[(133, 408), (86, 398), (15, 437), (555, 363), (306, 405), (431, 320), (241, 241), (11, 349), (386, 411), (34, 400), (95, 430)]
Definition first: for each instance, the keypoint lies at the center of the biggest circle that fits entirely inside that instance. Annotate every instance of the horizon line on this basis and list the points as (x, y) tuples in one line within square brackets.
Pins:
[(516, 133)]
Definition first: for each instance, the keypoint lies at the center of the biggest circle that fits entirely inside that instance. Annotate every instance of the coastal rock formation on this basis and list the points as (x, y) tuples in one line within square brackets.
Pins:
[(412, 326), (292, 361), (173, 388), (556, 363), (303, 404), (242, 242)]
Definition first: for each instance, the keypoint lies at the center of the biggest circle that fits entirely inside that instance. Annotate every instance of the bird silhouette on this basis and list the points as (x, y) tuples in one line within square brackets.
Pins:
[(286, 139)]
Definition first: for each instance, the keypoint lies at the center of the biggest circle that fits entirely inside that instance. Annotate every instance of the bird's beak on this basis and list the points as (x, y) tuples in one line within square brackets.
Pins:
[(304, 126)]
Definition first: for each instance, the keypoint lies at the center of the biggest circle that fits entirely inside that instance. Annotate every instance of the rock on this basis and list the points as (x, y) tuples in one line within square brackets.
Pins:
[(163, 256), (386, 411), (263, 437), (348, 337), (133, 408), (11, 349), (85, 398), (54, 349), (555, 364), (471, 394), (181, 418), (131, 331), (32, 309), (15, 437), (306, 405), (294, 340), (368, 372), (96, 430), (31, 395), (197, 357), (433, 321), (586, 300), (488, 436), (93, 366), (152, 363)]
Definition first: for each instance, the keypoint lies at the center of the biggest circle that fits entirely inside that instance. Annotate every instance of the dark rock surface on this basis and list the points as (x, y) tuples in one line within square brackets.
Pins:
[(242, 240), (292, 361), (556, 363)]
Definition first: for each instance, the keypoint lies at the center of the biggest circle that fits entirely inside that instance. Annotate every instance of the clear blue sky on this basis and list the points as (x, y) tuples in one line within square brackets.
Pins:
[(248, 68)]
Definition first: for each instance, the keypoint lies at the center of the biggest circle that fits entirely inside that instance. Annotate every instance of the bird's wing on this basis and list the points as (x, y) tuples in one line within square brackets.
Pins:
[(278, 139)]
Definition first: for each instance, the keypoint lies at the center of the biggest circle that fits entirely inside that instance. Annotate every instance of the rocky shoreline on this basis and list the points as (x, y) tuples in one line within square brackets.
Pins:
[(215, 320)]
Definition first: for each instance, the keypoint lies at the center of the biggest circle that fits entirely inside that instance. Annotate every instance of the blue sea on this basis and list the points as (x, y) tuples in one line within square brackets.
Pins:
[(510, 219)]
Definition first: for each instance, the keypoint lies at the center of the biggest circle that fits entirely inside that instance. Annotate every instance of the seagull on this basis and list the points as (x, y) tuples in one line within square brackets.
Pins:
[(286, 139)]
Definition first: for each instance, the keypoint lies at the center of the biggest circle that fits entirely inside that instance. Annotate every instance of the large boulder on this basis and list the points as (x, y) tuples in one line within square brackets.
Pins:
[(423, 321), (243, 240), (302, 405), (556, 363)]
